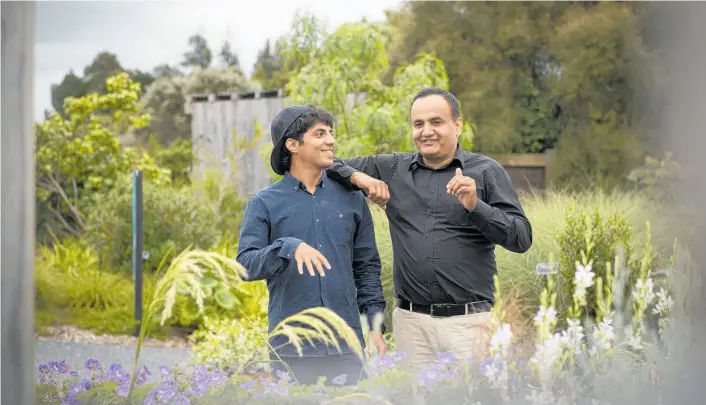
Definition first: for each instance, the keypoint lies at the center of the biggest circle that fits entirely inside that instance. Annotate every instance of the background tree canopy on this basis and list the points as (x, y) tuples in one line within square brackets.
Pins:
[(530, 76)]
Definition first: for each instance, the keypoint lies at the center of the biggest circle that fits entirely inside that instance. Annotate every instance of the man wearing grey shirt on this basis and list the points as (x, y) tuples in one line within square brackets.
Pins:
[(448, 208)]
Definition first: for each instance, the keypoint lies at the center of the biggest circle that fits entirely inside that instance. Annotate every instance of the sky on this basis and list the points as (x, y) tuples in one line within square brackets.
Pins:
[(144, 34)]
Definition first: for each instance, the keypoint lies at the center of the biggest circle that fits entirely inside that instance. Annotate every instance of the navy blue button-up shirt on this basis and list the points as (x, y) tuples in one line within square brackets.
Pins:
[(335, 221)]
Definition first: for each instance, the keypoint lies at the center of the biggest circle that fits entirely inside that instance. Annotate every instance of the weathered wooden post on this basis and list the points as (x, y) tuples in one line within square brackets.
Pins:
[(18, 202)]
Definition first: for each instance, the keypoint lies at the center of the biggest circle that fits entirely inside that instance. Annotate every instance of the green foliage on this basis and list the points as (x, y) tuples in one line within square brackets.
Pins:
[(174, 219), (341, 72), (177, 158), (593, 239), (232, 345), (72, 288), (533, 76), (79, 158)]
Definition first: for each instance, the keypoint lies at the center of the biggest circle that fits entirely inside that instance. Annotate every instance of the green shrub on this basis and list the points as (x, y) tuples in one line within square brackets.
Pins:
[(71, 289), (596, 239), (174, 219), (232, 345)]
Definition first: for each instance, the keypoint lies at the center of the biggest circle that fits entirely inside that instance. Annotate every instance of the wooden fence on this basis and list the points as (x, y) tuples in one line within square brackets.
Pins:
[(220, 120)]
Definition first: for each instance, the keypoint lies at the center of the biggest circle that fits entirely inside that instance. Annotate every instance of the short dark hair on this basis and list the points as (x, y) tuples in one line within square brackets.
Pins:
[(450, 99), (300, 126)]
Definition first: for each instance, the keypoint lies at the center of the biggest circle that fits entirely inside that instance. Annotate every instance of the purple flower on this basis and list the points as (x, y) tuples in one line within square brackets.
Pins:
[(340, 379), (200, 374), (429, 376), (159, 395), (165, 372), (123, 389), (117, 374), (78, 387), (445, 358), (180, 399), (247, 385), (59, 366), (216, 379), (142, 375), (71, 401), (280, 389), (74, 374), (44, 369), (93, 364)]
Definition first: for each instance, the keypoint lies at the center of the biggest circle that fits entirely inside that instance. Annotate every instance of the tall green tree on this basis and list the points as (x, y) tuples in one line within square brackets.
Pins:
[(341, 72), (199, 54), (538, 75)]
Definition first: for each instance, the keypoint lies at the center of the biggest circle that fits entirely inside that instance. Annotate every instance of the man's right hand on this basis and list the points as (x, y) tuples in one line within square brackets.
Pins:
[(376, 190), (313, 259)]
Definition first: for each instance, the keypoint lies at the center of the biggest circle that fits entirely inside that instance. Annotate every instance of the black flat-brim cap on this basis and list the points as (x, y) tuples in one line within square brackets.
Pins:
[(279, 132)]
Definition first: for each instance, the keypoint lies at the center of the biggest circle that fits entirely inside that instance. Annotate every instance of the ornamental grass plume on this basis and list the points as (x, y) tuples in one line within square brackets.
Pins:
[(185, 274)]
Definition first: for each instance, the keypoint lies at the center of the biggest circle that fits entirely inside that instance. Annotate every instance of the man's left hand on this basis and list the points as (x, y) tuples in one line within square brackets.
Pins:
[(464, 188), (379, 341)]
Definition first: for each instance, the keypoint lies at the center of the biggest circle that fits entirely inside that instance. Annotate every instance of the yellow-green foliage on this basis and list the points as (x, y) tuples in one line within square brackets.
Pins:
[(72, 288)]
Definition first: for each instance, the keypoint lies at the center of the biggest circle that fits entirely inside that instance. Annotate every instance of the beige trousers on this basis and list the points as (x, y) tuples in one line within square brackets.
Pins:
[(422, 337)]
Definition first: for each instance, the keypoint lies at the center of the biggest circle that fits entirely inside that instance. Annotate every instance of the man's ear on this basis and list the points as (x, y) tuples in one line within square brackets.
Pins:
[(292, 145), (459, 127)]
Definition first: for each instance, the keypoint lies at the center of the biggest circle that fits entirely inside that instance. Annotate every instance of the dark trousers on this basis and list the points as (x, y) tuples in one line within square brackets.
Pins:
[(307, 370)]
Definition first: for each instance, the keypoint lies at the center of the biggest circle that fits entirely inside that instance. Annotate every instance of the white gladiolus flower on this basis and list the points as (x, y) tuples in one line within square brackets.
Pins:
[(643, 291), (664, 303), (583, 279), (604, 336), (545, 316), (500, 341), (546, 356), (572, 337)]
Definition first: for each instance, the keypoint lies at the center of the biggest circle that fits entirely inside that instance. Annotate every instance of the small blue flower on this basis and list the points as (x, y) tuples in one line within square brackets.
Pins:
[(93, 364), (159, 395), (429, 376), (44, 369), (164, 371), (446, 358), (123, 389), (247, 385), (340, 379), (74, 374), (180, 399)]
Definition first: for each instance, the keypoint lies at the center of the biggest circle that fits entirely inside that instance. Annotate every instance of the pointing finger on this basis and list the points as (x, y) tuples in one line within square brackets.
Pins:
[(459, 172)]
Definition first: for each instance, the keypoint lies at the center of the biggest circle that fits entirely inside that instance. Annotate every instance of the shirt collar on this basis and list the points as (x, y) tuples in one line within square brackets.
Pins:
[(458, 158), (297, 184)]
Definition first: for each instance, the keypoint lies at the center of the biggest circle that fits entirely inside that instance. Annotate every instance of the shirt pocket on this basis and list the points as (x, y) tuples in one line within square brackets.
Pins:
[(341, 225), (454, 213)]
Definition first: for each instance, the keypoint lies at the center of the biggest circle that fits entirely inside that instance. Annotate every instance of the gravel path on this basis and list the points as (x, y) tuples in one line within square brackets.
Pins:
[(76, 355)]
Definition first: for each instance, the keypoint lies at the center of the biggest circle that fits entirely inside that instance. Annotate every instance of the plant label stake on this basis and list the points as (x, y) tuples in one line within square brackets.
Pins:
[(137, 253), (545, 269)]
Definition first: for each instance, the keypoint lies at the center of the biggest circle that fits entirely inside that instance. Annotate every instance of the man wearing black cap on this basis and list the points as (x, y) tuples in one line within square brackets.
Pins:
[(307, 222)]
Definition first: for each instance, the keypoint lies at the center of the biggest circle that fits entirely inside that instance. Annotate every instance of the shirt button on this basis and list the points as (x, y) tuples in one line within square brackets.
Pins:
[(317, 219), (433, 191), (319, 245)]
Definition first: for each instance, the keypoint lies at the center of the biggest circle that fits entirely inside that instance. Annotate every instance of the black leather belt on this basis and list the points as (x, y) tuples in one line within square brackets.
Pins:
[(446, 310)]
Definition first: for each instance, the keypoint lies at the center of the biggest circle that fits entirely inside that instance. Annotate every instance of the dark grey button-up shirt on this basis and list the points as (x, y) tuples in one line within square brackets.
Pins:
[(442, 252)]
